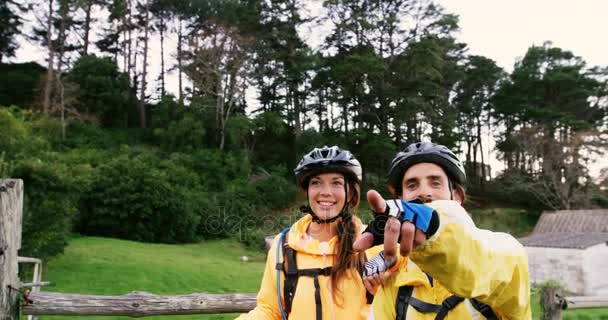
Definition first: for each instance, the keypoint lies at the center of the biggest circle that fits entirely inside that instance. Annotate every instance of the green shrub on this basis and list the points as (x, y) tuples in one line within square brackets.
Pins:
[(13, 131), (141, 198), (49, 207), (274, 191)]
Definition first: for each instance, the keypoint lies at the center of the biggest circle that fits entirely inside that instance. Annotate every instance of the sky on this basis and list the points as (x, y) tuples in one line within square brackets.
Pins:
[(497, 29), (503, 31)]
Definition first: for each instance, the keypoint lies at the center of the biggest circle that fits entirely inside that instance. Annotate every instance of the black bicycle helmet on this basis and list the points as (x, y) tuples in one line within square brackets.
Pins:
[(425, 152), (327, 159)]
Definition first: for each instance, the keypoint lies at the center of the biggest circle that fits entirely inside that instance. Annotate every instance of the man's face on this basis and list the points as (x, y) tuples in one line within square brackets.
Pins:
[(428, 182)]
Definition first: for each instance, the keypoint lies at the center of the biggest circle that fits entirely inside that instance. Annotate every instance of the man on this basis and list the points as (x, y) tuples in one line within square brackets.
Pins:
[(449, 268)]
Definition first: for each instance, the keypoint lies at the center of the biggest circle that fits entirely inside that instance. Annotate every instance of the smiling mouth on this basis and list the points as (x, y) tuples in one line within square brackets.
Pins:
[(325, 204)]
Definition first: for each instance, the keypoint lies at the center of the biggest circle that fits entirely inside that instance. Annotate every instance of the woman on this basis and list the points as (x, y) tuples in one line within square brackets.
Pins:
[(312, 271)]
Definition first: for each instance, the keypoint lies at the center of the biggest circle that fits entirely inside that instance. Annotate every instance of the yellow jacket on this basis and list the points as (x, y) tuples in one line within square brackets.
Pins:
[(491, 267), (311, 253)]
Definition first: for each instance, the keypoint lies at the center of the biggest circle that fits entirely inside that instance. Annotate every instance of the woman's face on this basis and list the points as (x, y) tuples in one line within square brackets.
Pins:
[(326, 194)]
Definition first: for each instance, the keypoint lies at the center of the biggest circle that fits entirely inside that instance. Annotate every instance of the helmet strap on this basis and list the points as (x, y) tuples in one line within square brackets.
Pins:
[(451, 189)]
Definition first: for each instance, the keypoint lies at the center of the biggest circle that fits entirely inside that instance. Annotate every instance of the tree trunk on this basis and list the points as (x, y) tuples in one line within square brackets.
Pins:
[(87, 29), (48, 87), (131, 65), (552, 303), (142, 95), (179, 61), (162, 55), (11, 208)]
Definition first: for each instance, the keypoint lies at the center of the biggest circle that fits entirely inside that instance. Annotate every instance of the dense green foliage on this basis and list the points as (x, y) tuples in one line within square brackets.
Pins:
[(110, 183), (211, 160), (20, 83)]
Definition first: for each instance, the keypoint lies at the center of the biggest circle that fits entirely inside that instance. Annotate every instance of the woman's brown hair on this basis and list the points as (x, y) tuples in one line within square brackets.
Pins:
[(346, 258)]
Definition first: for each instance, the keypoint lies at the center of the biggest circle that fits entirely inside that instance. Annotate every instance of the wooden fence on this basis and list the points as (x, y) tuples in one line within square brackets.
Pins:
[(135, 304)]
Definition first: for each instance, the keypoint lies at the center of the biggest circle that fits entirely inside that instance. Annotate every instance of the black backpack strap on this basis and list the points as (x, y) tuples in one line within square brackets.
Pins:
[(291, 280), (484, 309), (424, 307), (403, 297), (315, 273), (291, 276), (448, 304)]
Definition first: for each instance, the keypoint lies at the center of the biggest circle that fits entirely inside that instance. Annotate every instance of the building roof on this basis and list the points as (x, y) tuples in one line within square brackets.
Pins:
[(572, 221), (579, 229), (565, 240)]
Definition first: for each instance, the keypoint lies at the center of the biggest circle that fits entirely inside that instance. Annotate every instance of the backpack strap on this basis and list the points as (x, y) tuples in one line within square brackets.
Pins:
[(484, 309), (290, 267), (291, 276), (403, 298), (280, 266), (448, 304)]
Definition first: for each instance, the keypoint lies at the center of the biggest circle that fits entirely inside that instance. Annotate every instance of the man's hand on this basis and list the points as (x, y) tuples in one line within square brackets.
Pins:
[(376, 272), (389, 227)]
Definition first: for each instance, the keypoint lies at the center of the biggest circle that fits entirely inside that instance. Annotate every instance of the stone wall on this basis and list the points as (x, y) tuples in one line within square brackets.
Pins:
[(596, 270), (563, 265)]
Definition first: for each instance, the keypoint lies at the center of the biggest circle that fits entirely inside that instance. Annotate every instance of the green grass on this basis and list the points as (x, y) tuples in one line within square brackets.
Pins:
[(517, 222), (104, 266), (578, 314), (115, 267)]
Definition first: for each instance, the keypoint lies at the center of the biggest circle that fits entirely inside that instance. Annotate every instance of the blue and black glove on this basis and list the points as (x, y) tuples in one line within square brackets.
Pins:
[(422, 216)]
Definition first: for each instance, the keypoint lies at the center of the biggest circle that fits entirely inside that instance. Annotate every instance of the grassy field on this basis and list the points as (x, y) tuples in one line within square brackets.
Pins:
[(114, 267)]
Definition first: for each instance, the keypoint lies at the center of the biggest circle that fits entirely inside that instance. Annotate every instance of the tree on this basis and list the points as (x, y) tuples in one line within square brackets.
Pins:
[(282, 61), (87, 6), (103, 91), (553, 108), (142, 94), (473, 99), (218, 66), (10, 24)]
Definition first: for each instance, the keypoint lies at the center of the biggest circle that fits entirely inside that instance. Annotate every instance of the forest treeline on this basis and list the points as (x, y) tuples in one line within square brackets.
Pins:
[(101, 155)]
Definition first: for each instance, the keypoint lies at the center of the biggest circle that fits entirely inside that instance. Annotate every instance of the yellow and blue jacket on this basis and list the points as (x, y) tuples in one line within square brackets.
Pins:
[(462, 260)]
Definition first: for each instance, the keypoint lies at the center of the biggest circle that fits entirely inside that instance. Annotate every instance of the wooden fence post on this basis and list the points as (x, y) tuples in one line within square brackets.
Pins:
[(11, 206), (552, 302)]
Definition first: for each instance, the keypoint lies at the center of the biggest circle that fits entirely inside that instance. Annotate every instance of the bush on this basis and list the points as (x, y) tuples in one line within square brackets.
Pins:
[(273, 190), (13, 131), (141, 198), (49, 207)]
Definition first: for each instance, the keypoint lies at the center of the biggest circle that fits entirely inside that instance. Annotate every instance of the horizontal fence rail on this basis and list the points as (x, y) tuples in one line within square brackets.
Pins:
[(137, 304), (583, 302)]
